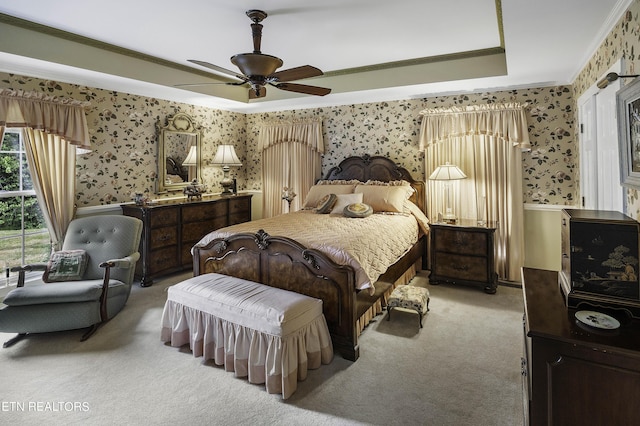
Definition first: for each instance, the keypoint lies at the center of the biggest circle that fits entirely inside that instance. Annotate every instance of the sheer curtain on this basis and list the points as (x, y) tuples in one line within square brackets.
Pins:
[(292, 157), (486, 143), (53, 128)]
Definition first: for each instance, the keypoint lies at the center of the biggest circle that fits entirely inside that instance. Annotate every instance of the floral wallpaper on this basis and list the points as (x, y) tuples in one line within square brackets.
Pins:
[(392, 129), (622, 42), (123, 131)]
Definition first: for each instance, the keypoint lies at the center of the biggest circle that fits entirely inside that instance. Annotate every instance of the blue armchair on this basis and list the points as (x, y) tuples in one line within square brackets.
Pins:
[(108, 246)]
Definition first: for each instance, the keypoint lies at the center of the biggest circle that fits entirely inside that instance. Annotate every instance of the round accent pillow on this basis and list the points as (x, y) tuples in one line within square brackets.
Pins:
[(326, 203), (358, 210)]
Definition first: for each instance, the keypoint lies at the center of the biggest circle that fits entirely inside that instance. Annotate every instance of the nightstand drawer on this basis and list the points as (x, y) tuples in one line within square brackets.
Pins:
[(461, 242), (469, 268), (464, 254)]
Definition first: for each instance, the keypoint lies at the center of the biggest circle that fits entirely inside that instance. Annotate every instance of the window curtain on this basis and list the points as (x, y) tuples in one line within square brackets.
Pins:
[(291, 157), (486, 143), (53, 128)]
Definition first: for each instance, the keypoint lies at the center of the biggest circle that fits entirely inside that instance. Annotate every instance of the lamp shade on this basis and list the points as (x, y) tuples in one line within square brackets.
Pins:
[(447, 172), (226, 156), (192, 157)]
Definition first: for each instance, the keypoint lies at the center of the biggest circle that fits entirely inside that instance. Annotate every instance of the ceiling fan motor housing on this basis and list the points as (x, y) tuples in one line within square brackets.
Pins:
[(256, 64)]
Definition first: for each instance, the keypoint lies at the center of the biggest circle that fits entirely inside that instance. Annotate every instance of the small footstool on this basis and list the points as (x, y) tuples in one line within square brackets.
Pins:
[(409, 297)]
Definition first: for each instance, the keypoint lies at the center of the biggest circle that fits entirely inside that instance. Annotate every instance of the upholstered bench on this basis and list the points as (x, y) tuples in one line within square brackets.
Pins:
[(409, 297), (269, 335)]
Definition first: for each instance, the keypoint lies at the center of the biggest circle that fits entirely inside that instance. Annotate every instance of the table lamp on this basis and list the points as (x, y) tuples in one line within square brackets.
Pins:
[(448, 173), (226, 158)]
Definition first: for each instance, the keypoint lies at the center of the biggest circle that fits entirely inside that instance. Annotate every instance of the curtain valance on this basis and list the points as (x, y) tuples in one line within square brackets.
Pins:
[(308, 132), (504, 121), (51, 114)]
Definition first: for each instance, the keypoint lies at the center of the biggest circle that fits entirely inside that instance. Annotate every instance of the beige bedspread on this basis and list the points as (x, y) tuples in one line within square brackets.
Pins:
[(369, 245)]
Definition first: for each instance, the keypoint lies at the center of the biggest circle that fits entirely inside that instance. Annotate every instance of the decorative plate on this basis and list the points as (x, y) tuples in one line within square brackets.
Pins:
[(597, 320)]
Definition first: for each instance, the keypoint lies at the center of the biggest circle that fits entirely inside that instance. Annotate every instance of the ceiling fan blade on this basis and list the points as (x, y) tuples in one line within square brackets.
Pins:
[(303, 88), (297, 73), (217, 68), (260, 92), (239, 83)]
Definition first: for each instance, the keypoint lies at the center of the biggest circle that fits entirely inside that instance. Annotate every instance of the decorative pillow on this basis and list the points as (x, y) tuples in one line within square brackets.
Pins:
[(358, 210), (326, 203), (318, 192), (344, 200), (385, 198), (66, 265)]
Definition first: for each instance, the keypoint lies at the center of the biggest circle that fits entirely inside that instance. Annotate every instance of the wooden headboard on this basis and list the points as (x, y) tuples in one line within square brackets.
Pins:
[(377, 168)]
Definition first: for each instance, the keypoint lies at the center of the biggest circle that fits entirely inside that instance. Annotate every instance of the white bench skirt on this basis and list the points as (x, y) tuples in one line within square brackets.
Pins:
[(269, 335)]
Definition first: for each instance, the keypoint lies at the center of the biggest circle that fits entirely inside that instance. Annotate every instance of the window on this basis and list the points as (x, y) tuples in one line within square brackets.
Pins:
[(24, 237)]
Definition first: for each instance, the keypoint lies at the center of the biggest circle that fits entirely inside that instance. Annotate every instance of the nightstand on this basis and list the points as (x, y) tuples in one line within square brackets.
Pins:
[(464, 253)]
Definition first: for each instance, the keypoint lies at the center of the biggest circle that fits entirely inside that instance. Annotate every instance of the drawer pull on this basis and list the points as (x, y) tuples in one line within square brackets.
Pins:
[(460, 267), (164, 237)]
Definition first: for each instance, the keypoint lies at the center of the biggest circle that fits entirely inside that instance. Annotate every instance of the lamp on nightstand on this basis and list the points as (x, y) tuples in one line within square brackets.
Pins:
[(448, 173), (226, 158)]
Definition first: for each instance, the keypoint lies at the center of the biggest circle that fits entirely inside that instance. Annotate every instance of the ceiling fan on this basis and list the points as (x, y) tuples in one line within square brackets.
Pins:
[(259, 69)]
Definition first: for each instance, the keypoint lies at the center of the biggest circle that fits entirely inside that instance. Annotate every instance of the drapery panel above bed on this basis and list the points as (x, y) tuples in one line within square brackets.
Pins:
[(369, 245)]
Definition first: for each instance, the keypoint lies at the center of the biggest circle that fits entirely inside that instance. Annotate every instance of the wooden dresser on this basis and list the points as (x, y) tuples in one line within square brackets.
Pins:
[(463, 253), (171, 228), (574, 374)]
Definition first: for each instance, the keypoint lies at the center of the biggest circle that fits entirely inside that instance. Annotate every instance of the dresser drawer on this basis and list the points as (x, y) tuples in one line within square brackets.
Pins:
[(200, 211), (239, 205), (467, 268), (461, 242), (162, 237), (164, 217), (163, 259), (193, 232)]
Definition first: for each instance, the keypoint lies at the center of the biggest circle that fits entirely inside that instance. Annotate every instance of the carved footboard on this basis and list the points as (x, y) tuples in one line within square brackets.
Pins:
[(284, 263)]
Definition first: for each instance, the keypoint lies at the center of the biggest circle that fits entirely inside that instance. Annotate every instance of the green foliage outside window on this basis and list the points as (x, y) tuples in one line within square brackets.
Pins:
[(11, 214)]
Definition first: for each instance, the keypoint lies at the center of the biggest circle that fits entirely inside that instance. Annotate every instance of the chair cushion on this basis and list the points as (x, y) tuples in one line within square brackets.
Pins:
[(61, 292), (66, 265)]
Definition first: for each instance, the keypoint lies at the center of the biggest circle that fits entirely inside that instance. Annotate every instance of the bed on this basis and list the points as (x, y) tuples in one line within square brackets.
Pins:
[(279, 260)]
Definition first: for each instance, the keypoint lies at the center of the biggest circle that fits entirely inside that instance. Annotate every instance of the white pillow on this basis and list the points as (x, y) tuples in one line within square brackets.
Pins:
[(344, 200)]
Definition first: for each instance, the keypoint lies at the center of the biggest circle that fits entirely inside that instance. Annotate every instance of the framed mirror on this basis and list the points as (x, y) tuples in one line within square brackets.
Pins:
[(179, 153)]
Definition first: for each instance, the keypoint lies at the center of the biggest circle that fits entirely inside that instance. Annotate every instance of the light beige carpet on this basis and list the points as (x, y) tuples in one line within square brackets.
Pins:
[(462, 368)]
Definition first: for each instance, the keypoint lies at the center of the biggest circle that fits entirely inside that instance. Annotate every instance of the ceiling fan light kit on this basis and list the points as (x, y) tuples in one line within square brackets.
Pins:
[(259, 69)]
